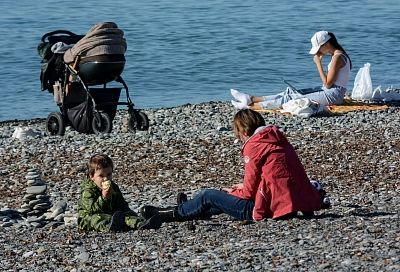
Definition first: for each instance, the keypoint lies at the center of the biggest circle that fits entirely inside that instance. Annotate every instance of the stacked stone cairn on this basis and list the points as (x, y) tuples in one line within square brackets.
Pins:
[(37, 210), (37, 207)]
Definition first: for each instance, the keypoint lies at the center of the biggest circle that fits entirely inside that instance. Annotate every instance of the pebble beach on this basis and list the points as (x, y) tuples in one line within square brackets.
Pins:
[(187, 148)]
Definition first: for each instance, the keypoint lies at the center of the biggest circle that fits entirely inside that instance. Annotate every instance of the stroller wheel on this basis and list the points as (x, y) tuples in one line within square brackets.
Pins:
[(138, 121), (101, 123), (55, 124)]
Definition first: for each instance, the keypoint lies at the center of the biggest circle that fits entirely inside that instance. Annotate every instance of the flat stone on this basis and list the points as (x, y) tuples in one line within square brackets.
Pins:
[(42, 207), (6, 224), (33, 213), (59, 218), (35, 202), (60, 205), (37, 224), (5, 210), (23, 210), (36, 190), (70, 220), (57, 212), (45, 197), (40, 250), (29, 197), (31, 219), (32, 176), (27, 254), (25, 206), (35, 182), (4, 218), (83, 256)]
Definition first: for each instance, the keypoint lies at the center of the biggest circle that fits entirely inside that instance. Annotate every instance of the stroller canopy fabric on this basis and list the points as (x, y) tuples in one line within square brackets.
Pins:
[(102, 39)]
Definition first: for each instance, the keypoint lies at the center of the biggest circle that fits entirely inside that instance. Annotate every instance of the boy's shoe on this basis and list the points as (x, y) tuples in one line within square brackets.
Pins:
[(153, 222), (117, 221), (325, 201)]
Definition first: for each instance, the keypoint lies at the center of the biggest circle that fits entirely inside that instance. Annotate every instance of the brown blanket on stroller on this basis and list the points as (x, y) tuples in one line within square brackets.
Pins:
[(102, 39)]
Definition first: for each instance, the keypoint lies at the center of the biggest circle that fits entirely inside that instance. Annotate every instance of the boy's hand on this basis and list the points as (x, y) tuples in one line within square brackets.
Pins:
[(106, 188), (106, 193)]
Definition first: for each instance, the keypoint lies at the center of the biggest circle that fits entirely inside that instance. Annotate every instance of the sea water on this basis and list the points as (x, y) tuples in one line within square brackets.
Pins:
[(191, 51)]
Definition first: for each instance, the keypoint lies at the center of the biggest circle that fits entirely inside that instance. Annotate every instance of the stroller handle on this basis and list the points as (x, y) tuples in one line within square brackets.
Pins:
[(58, 32)]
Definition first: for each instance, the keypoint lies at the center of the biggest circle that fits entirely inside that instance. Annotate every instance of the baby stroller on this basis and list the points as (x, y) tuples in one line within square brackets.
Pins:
[(76, 70)]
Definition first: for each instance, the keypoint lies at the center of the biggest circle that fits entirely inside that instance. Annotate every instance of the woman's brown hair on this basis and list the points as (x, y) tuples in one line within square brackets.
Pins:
[(99, 161), (336, 44), (246, 122)]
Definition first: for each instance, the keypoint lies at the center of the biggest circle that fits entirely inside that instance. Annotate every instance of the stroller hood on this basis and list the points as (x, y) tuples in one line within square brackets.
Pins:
[(102, 39)]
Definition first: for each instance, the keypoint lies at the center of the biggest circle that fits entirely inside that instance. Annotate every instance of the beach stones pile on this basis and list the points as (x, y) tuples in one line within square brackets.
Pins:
[(35, 203), (36, 200)]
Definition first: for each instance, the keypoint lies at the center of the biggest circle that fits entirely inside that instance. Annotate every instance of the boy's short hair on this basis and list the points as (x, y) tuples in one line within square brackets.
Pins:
[(99, 161), (247, 121)]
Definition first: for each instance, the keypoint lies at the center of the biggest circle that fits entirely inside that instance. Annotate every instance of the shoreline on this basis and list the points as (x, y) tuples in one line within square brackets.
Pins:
[(190, 147)]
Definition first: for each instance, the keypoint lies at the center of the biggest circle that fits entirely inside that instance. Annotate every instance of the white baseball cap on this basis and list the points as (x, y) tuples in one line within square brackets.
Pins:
[(317, 40)]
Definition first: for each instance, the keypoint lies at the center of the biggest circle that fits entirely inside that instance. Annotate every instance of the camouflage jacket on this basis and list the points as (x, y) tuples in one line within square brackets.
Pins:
[(94, 210)]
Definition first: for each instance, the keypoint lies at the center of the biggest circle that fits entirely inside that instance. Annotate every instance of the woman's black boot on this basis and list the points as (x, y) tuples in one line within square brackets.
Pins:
[(169, 214)]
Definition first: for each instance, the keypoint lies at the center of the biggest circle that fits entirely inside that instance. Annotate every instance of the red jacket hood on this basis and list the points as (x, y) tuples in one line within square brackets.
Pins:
[(267, 134)]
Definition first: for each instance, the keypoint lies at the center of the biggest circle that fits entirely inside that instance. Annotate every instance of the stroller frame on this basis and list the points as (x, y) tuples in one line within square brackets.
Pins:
[(96, 107)]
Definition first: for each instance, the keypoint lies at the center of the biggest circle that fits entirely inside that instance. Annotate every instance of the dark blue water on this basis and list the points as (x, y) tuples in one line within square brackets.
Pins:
[(189, 51)]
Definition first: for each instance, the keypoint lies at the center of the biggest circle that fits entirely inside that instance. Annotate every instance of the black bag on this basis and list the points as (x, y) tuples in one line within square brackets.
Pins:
[(53, 67), (81, 116), (51, 71)]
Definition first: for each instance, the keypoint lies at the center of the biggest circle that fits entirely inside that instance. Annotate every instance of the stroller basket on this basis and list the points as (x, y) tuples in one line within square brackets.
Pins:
[(98, 70), (106, 99)]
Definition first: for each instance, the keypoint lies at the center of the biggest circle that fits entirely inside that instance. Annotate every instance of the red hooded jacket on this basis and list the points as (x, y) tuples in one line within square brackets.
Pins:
[(274, 177)]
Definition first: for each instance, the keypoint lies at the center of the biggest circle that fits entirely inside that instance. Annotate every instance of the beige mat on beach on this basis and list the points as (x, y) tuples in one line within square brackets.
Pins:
[(351, 105), (348, 106)]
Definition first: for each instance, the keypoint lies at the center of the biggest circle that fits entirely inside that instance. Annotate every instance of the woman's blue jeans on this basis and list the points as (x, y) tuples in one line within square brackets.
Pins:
[(322, 95), (213, 202)]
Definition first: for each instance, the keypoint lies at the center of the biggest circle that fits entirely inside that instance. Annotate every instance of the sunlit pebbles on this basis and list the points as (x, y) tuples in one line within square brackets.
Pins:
[(355, 155)]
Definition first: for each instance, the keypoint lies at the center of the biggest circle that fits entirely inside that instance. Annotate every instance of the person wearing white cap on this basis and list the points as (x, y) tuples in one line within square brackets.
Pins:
[(334, 81)]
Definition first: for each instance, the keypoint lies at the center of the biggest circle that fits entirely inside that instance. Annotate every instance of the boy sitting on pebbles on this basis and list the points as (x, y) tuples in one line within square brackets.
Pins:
[(102, 206)]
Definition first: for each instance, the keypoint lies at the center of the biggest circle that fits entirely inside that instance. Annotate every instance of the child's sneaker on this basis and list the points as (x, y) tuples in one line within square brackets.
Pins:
[(325, 201), (153, 222)]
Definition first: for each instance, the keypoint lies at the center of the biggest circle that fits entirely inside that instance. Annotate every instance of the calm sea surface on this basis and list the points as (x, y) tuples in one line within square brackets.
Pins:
[(190, 51)]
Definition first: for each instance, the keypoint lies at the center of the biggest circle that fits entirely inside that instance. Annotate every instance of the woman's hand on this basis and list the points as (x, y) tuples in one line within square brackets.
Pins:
[(318, 58), (233, 188)]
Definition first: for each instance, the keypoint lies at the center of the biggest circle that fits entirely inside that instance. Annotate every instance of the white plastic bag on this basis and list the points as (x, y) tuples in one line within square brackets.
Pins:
[(387, 95), (362, 89), (303, 107)]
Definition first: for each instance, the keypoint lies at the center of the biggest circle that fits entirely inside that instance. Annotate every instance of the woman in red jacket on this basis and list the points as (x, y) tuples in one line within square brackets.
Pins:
[(275, 183)]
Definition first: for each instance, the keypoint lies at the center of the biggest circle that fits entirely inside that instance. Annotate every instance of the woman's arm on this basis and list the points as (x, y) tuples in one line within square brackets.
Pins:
[(252, 176), (329, 79)]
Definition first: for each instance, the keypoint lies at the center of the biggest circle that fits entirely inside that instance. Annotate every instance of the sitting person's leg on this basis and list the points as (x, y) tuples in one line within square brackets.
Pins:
[(264, 102), (276, 101), (213, 202), (97, 222), (324, 96), (205, 204)]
